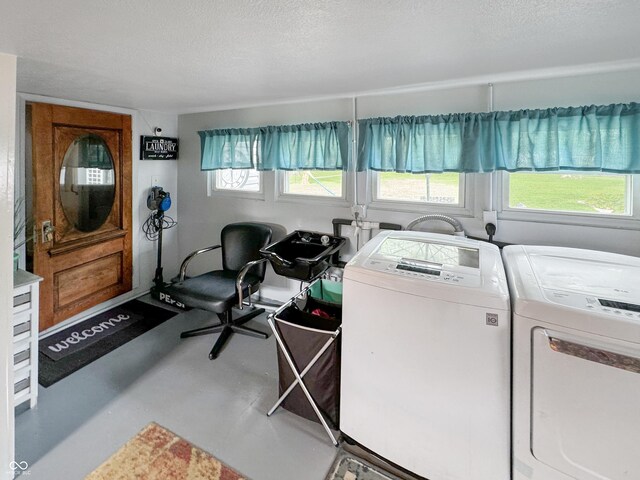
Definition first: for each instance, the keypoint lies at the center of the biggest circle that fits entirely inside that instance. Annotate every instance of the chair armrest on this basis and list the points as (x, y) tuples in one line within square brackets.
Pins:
[(185, 263), (242, 273)]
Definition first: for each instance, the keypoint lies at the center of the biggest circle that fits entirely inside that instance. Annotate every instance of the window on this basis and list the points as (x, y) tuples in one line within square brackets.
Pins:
[(98, 176), (228, 180), (436, 188), (570, 192), (317, 183)]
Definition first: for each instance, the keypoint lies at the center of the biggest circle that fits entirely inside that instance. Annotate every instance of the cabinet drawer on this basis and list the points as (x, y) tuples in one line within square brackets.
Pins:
[(21, 328), (21, 355), (21, 299), (21, 385), (21, 381), (22, 317)]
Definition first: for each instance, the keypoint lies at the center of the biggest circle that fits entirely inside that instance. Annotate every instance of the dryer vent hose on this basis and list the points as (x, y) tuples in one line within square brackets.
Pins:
[(458, 230)]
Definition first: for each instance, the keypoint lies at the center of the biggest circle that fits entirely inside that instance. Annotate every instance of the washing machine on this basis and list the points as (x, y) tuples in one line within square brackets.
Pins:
[(576, 354), (425, 377)]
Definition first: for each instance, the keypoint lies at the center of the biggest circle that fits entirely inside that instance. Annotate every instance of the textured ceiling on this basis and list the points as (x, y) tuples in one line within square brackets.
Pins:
[(187, 55)]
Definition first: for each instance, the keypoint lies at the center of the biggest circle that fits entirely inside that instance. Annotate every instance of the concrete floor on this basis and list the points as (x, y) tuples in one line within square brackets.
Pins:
[(218, 405)]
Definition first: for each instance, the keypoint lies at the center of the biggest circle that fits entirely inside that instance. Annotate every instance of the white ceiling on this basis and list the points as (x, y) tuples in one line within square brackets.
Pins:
[(190, 55)]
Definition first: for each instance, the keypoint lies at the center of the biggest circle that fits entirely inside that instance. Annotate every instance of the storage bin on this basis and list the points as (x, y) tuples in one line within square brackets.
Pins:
[(327, 290)]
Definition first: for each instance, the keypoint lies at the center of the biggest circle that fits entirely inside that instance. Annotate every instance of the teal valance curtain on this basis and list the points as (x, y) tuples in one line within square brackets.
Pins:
[(309, 146), (226, 148), (597, 138)]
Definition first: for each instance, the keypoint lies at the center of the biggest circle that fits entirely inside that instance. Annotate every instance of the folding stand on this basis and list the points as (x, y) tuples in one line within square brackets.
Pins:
[(300, 374)]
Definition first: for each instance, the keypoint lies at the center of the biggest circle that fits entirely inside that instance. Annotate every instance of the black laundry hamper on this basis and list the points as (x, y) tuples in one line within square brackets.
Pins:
[(311, 338)]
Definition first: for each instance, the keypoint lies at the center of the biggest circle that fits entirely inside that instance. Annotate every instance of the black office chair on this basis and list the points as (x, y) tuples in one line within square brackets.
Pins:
[(220, 290)]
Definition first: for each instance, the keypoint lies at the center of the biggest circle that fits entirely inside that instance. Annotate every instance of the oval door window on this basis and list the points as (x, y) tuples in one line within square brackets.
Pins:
[(87, 183)]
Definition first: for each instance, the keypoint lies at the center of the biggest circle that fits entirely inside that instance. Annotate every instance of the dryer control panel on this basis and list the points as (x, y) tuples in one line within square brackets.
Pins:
[(593, 303)]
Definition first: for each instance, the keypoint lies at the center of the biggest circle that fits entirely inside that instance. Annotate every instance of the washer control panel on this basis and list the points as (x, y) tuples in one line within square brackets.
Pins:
[(424, 271)]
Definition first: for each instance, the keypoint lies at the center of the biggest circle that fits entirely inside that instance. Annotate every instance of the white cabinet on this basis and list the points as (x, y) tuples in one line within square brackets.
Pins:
[(25, 337)]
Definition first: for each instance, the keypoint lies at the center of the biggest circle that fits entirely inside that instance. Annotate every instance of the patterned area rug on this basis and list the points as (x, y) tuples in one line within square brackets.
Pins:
[(349, 467), (158, 454)]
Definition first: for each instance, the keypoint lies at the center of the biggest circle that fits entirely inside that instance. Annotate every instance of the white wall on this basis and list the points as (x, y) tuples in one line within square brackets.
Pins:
[(166, 172), (7, 156), (144, 251), (202, 217)]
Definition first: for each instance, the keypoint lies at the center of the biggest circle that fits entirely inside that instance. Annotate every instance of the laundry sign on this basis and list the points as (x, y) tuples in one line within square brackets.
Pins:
[(158, 148)]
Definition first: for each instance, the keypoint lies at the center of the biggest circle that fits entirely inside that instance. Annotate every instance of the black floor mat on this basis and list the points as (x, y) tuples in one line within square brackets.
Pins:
[(148, 316)]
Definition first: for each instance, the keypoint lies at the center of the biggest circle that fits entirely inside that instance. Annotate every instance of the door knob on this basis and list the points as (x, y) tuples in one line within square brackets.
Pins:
[(47, 231)]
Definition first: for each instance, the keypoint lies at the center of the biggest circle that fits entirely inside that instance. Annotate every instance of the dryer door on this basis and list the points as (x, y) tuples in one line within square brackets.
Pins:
[(585, 407)]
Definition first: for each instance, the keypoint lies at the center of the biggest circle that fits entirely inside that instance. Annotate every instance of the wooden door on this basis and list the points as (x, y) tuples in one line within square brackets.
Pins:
[(81, 163)]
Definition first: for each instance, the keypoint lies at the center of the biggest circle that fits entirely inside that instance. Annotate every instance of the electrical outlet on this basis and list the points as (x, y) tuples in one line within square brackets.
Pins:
[(155, 180), (490, 216), (361, 210)]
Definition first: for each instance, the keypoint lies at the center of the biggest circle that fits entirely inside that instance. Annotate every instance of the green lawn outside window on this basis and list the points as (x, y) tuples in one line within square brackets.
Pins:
[(569, 192)]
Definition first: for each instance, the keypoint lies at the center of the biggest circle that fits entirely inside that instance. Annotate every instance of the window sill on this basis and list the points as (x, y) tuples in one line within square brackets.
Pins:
[(422, 208), (626, 222), (311, 199), (237, 194)]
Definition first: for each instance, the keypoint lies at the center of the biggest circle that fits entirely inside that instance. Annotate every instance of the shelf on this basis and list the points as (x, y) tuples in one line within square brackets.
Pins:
[(25, 337)]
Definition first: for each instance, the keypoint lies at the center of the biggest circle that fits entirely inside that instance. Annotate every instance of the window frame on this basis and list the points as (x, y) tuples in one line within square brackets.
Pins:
[(343, 200), (466, 192), (212, 190), (605, 220)]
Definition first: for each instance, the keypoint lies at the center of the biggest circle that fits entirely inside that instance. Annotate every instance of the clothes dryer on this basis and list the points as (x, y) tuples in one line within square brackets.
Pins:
[(425, 379), (576, 353)]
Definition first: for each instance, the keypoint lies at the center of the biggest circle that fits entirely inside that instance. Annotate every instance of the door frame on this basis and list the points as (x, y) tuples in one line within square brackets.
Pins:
[(23, 98)]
